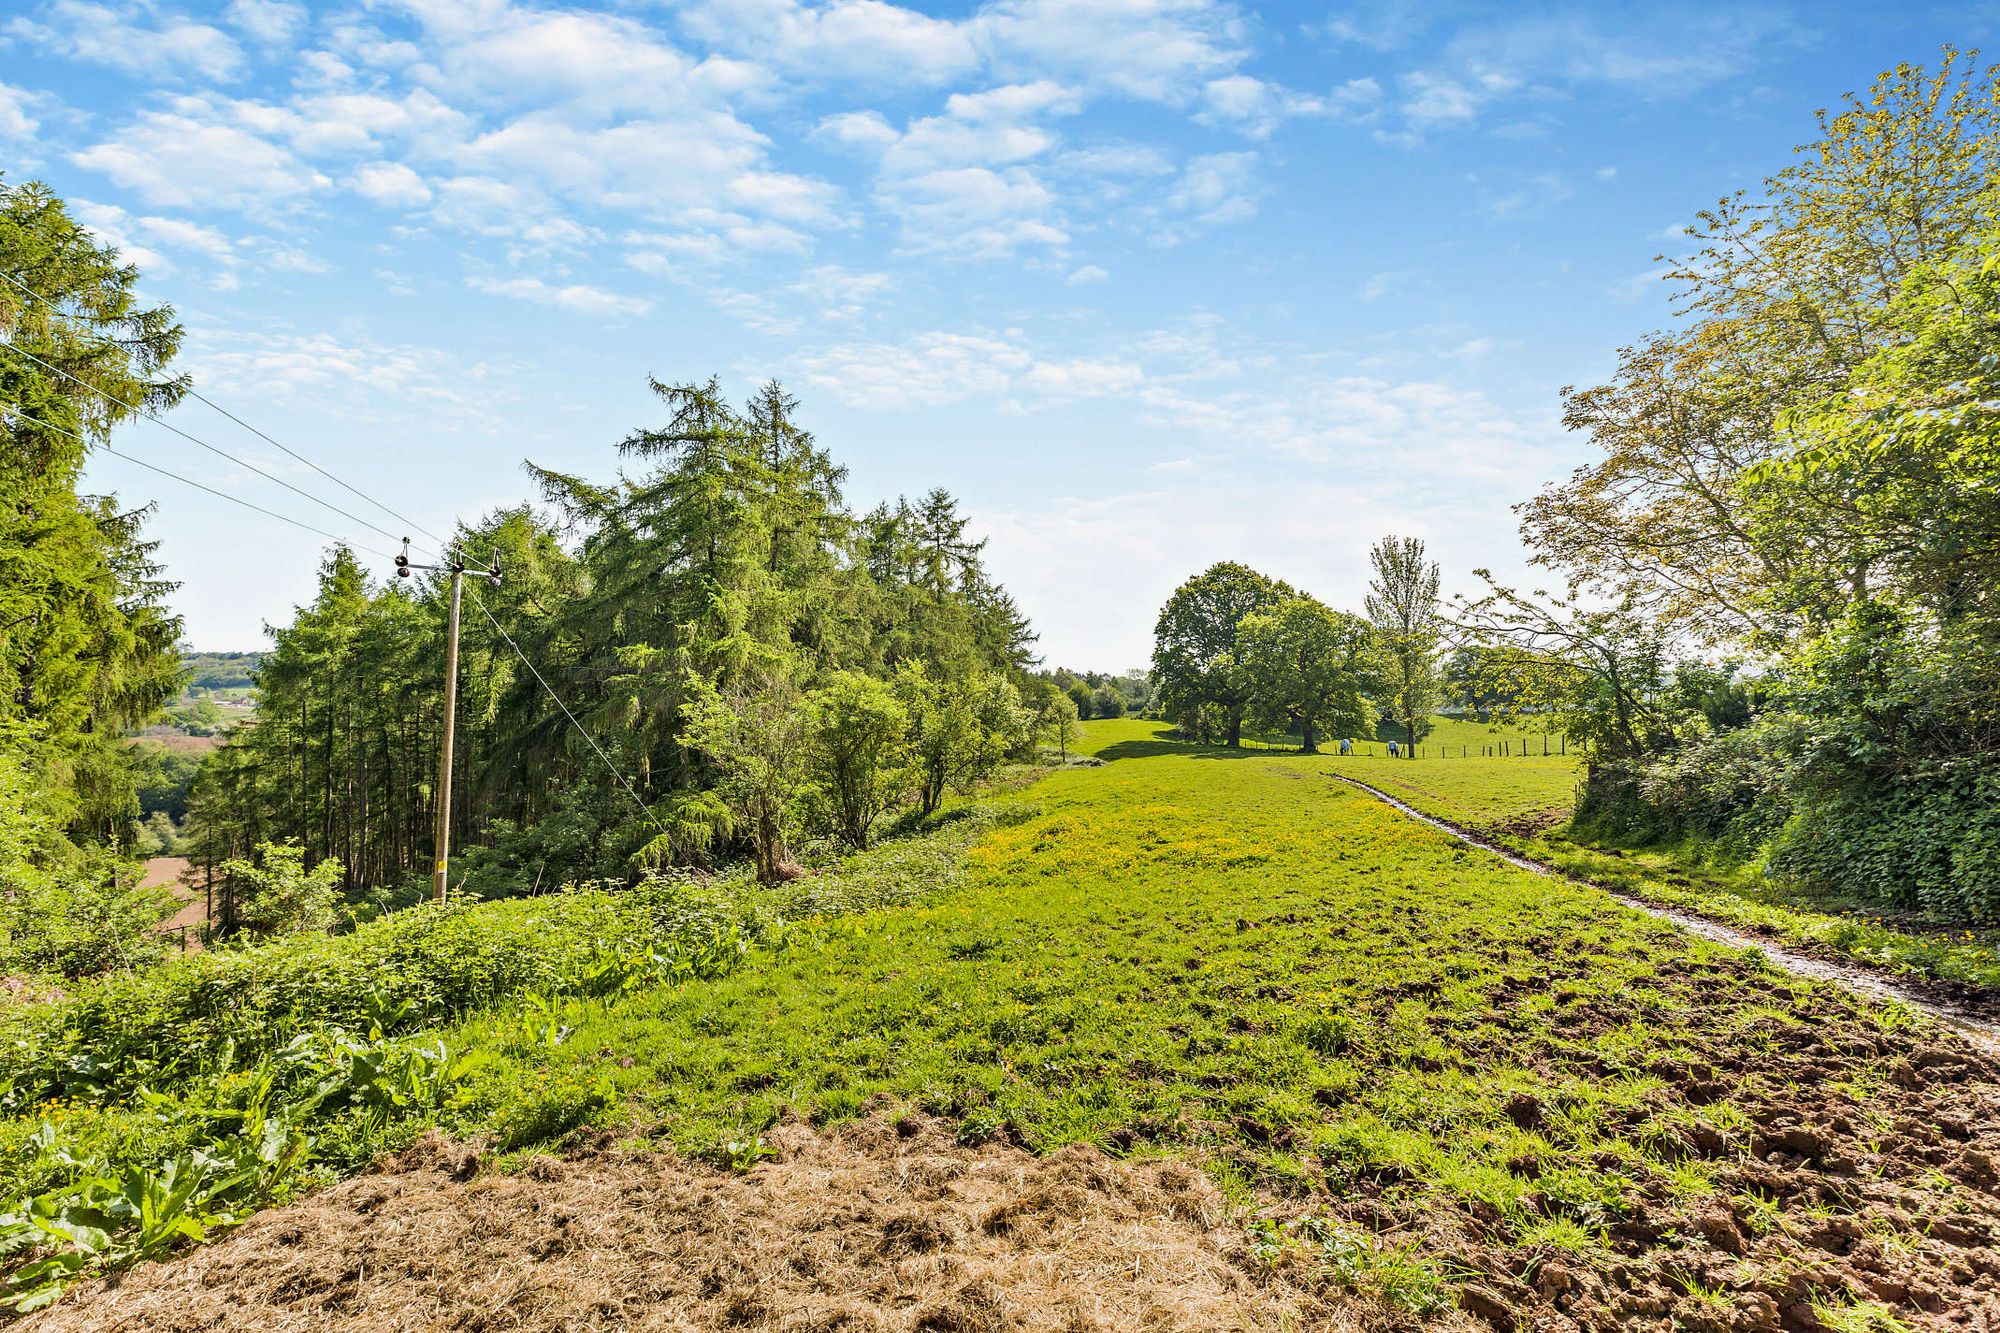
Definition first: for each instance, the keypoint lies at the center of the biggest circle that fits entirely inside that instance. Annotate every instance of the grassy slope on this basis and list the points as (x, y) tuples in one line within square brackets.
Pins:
[(1523, 803), (1193, 949), (1348, 1016)]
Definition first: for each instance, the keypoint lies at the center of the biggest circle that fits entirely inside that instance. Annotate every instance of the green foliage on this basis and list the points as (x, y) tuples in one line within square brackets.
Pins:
[(725, 566), (87, 648), (1403, 605), (757, 736), (858, 752), (959, 730), (280, 896), (1805, 472), (163, 778), (1309, 667), (1196, 664), (553, 1104), (202, 1015), (221, 671), (153, 1109), (63, 911)]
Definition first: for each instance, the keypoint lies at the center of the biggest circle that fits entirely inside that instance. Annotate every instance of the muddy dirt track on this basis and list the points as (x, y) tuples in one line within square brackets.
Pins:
[(1975, 1018)]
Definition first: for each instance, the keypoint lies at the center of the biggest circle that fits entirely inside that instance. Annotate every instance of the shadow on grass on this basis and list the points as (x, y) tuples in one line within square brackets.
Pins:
[(1165, 744)]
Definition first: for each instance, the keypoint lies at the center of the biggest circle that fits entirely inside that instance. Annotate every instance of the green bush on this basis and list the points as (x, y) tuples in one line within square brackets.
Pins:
[(1930, 845), (1730, 786), (207, 1013)]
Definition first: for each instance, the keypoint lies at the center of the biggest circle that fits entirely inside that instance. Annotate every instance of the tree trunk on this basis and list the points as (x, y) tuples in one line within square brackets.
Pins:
[(1235, 731)]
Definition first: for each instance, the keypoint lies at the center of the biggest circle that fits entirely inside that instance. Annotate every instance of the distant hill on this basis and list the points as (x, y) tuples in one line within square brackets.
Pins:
[(221, 671)]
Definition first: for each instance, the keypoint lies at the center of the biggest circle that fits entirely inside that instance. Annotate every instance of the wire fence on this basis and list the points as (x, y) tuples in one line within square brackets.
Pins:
[(1515, 747)]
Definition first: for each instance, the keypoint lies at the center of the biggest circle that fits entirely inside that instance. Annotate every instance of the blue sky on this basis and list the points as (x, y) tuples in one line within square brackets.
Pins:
[(1146, 283)]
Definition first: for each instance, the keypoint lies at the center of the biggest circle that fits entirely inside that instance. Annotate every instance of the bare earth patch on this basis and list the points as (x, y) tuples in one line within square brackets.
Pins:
[(878, 1225)]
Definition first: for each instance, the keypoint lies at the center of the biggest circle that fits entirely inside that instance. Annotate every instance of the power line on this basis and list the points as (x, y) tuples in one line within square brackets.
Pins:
[(57, 310), (644, 809), (195, 439), (19, 415)]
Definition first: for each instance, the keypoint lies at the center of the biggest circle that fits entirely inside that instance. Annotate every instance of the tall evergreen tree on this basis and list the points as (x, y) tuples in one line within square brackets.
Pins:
[(87, 646)]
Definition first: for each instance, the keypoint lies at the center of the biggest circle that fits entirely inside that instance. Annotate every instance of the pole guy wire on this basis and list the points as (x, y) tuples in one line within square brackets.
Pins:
[(644, 809)]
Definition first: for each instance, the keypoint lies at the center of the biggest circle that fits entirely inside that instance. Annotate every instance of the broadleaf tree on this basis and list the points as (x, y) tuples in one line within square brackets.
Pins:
[(1196, 660), (1403, 606)]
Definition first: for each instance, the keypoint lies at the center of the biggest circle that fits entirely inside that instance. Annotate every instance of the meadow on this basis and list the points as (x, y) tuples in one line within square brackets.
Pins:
[(1443, 1081), (1524, 804)]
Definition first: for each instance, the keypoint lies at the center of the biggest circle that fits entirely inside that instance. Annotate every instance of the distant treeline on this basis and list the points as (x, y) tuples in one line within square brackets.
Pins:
[(221, 671)]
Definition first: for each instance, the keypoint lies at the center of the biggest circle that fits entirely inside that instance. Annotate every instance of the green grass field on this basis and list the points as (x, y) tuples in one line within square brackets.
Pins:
[(1345, 1014), (1444, 1079), (1524, 803)]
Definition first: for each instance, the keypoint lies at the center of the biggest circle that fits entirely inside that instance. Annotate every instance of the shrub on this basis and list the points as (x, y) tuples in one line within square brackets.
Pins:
[(210, 1012), (280, 895), (1927, 844)]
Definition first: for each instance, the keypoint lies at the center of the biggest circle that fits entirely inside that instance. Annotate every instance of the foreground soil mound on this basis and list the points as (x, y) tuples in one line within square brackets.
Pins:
[(880, 1225)]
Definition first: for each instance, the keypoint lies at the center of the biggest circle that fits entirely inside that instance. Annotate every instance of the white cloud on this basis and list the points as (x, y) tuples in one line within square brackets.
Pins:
[(1256, 107), (118, 36), (1664, 52), (935, 369), (976, 212), (1088, 273), (591, 64), (1160, 50), (1156, 50), (269, 23), (390, 183), (1117, 160), (1431, 100), (113, 226), (190, 156), (484, 204), (839, 292), (961, 182), (1639, 284), (576, 297), (16, 119), (1311, 470), (863, 40), (334, 121), (1213, 189), (135, 237), (288, 368)]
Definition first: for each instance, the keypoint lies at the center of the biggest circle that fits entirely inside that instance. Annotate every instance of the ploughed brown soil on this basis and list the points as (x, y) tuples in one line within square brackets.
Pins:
[(882, 1225), (1856, 1181), (183, 928)]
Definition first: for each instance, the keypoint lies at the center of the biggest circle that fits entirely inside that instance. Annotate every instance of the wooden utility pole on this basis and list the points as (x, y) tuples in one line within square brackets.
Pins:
[(440, 868), (443, 866)]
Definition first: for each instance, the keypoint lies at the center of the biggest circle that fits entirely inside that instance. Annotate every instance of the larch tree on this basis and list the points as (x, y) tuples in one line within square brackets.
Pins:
[(88, 649)]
